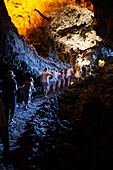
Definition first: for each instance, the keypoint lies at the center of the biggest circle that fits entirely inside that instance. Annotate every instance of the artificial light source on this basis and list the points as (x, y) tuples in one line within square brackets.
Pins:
[(83, 62), (101, 63)]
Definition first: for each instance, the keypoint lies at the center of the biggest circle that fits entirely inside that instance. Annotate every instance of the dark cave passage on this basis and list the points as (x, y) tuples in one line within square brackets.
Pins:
[(72, 128)]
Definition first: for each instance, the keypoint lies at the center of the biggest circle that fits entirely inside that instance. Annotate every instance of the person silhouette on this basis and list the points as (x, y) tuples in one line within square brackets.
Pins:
[(9, 88)]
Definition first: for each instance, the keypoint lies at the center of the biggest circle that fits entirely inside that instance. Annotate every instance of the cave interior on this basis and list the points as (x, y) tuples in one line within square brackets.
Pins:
[(72, 129)]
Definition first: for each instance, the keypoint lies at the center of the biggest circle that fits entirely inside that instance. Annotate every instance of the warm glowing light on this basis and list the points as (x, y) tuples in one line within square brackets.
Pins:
[(101, 63), (72, 82), (24, 13), (82, 62)]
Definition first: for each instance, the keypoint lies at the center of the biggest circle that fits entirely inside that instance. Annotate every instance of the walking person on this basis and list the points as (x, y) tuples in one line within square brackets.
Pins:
[(78, 74), (52, 79), (43, 77), (28, 88), (9, 93), (61, 79), (88, 73), (83, 72), (56, 79), (69, 75)]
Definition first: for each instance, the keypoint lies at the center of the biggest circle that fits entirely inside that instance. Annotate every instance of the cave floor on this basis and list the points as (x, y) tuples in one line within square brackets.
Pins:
[(46, 138), (31, 126)]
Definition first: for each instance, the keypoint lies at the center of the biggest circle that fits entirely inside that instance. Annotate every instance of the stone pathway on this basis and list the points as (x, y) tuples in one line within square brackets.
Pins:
[(32, 123)]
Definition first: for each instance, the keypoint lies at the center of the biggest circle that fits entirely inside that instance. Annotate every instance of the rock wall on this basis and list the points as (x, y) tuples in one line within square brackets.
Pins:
[(73, 33), (17, 55), (32, 18), (87, 144), (14, 52), (104, 18), (25, 14)]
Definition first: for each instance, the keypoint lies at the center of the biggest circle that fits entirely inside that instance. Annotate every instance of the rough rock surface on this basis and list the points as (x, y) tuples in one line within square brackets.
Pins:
[(25, 15), (87, 106), (17, 55), (72, 38), (78, 129), (104, 20), (71, 129), (73, 34), (70, 27)]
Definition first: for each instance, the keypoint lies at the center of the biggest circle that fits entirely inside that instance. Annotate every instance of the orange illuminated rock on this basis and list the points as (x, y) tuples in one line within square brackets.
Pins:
[(24, 13)]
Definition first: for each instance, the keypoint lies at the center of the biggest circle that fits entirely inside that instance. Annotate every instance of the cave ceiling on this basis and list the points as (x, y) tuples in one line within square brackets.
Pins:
[(67, 26), (25, 13), (35, 19)]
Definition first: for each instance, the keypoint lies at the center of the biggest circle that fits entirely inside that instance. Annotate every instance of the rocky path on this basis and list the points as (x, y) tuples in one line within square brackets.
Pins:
[(33, 125), (71, 129)]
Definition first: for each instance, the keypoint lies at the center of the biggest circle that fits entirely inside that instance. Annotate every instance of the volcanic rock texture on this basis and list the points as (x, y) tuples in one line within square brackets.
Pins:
[(85, 109), (73, 33), (32, 19), (104, 18), (87, 105), (14, 51), (62, 26), (17, 55)]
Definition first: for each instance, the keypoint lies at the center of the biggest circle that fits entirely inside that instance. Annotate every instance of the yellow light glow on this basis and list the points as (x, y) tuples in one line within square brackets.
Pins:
[(82, 62), (101, 63), (24, 13)]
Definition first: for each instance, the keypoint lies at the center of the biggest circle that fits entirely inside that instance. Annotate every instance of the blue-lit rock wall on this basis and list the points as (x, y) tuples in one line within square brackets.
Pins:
[(17, 55)]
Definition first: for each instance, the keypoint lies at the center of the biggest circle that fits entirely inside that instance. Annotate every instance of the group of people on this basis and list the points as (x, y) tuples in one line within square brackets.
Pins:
[(83, 72), (8, 100), (55, 79), (49, 79)]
